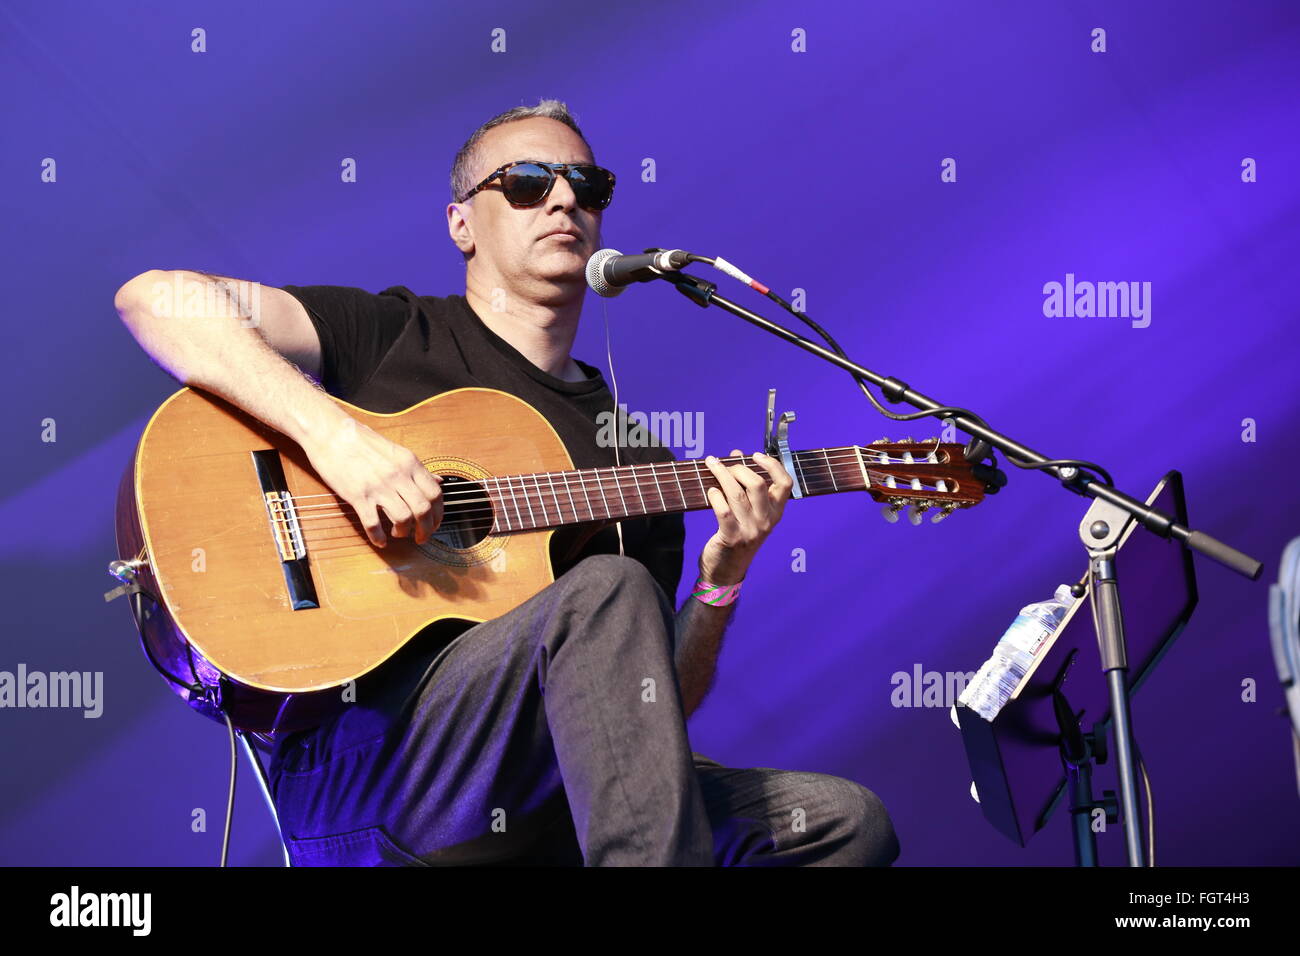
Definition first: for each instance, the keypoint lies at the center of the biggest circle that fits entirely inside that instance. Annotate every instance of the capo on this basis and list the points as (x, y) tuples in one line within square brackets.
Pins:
[(778, 445)]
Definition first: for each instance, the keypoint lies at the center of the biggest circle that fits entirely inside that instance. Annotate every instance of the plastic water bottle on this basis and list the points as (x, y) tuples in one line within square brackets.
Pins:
[(1015, 654)]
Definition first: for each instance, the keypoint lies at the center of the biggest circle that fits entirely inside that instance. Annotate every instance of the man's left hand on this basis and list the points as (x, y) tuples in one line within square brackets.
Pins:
[(747, 508)]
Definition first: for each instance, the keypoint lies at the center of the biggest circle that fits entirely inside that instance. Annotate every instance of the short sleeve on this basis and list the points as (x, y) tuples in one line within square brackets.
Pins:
[(356, 329)]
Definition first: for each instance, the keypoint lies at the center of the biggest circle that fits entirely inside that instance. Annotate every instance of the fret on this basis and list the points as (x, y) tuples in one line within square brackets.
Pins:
[(532, 518), (527, 494), (834, 486), (866, 482), (600, 486), (541, 500), (699, 476), (498, 514), (591, 511), (644, 509), (676, 477), (662, 503), (556, 495), (617, 484), (798, 467), (569, 491), (514, 500)]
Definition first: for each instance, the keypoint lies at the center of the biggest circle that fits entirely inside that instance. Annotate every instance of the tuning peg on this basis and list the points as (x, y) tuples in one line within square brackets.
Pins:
[(881, 441), (890, 511), (942, 513), (884, 459), (915, 512), (916, 482), (940, 485)]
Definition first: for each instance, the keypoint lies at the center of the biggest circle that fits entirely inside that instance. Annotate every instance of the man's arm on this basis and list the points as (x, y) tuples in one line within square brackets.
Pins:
[(223, 336), (747, 508), (237, 340), (699, 641)]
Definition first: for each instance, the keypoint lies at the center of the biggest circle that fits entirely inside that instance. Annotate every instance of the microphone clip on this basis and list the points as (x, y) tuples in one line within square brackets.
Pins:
[(698, 290)]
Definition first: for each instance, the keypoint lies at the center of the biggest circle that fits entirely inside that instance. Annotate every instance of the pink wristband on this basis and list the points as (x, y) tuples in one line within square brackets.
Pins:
[(715, 595)]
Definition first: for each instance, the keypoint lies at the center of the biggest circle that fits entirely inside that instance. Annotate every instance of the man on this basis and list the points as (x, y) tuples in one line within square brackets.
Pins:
[(555, 733)]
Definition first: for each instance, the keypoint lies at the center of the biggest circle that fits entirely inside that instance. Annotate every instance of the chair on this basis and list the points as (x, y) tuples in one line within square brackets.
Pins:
[(252, 743)]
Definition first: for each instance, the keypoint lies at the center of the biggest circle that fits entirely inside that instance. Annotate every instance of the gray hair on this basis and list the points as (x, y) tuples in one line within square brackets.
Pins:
[(462, 168)]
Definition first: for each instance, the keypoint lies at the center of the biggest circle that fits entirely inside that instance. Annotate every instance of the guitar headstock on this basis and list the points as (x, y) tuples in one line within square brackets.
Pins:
[(922, 476)]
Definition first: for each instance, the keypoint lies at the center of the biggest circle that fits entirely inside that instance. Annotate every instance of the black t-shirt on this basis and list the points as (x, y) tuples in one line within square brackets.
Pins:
[(387, 352)]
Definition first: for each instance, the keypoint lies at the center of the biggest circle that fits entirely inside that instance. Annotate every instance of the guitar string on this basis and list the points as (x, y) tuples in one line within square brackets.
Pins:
[(457, 498), (316, 539), (583, 480), (474, 516), (847, 455), (352, 540), (556, 503)]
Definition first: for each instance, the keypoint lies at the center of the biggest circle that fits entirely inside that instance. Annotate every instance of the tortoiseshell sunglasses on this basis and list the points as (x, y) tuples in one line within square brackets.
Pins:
[(527, 182)]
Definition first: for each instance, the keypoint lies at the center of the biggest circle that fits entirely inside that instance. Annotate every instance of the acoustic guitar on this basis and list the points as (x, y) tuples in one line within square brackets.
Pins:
[(258, 595)]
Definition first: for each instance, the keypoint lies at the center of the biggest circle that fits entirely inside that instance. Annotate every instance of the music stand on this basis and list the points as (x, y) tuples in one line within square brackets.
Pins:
[(1017, 760)]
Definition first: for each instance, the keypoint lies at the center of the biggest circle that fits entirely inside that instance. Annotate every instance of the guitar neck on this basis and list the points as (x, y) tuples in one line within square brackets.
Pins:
[(558, 498)]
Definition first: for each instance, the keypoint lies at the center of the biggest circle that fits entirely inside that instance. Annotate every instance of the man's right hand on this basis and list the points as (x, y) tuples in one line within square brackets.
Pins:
[(373, 474), (256, 361)]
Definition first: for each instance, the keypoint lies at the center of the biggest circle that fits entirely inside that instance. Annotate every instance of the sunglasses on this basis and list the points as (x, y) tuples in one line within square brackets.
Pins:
[(527, 182)]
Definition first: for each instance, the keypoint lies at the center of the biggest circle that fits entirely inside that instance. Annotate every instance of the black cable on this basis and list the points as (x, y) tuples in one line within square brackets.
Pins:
[(230, 798), (976, 449), (137, 606), (196, 689)]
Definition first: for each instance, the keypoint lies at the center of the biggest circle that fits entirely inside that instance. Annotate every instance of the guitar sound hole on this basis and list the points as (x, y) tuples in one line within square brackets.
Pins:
[(467, 513)]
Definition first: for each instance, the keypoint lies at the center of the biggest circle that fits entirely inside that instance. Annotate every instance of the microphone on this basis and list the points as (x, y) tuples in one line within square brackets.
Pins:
[(609, 271)]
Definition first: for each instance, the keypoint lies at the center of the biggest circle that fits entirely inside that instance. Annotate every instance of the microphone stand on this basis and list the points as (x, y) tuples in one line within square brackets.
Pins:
[(1099, 538)]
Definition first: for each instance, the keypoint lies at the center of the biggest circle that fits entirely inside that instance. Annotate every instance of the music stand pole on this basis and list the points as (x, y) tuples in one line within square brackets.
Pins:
[(1101, 538), (1077, 756)]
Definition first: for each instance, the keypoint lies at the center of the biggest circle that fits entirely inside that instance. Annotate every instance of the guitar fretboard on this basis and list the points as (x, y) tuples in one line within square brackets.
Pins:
[(557, 498)]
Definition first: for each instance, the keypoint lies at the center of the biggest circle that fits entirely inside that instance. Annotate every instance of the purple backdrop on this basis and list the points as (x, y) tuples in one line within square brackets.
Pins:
[(820, 169)]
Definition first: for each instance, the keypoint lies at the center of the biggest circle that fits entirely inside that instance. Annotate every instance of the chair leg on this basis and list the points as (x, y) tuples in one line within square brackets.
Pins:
[(251, 752)]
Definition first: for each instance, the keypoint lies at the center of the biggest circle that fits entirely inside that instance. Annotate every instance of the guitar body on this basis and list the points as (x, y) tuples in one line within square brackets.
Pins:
[(232, 630), (259, 597)]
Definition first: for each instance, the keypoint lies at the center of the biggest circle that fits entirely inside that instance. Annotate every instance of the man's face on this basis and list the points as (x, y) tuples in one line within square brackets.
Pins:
[(519, 245)]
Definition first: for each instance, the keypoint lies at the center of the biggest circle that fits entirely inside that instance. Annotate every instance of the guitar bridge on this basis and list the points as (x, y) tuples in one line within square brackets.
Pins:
[(282, 514), (284, 525)]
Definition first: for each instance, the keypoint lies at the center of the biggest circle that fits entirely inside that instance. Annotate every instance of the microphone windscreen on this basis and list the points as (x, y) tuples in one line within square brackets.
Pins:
[(596, 273)]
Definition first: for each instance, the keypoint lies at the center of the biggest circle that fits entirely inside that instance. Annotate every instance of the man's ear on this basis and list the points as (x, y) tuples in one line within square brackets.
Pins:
[(458, 227)]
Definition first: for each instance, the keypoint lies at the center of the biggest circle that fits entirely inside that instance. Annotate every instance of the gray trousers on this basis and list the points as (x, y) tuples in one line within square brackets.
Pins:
[(554, 735)]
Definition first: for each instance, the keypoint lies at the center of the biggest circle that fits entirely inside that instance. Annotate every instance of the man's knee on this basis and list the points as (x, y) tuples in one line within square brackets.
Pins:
[(872, 840), (606, 601), (847, 824), (601, 577)]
